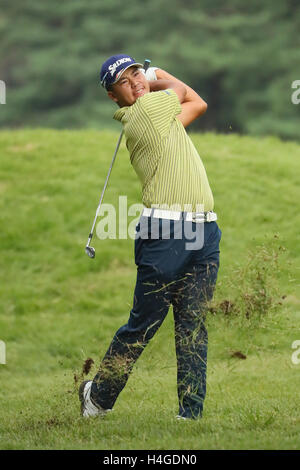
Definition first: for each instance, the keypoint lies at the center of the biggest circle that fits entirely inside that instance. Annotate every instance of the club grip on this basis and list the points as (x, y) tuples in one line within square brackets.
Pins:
[(147, 62)]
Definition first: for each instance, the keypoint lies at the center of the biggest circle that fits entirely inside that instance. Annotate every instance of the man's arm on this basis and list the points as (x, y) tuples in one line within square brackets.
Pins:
[(179, 88), (192, 105)]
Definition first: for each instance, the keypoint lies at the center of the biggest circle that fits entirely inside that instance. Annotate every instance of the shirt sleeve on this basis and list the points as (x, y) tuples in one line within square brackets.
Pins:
[(162, 107)]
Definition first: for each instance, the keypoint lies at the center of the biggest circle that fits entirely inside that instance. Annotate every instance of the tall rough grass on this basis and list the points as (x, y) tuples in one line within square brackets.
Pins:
[(253, 285)]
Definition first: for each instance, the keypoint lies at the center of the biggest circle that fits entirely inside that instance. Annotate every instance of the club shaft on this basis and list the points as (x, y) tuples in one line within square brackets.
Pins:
[(147, 64), (105, 184)]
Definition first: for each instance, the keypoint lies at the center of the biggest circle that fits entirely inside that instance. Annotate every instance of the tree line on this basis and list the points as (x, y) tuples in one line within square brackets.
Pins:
[(241, 57)]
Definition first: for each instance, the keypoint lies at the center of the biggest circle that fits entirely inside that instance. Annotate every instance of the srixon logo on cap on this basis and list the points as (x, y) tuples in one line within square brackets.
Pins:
[(112, 67)]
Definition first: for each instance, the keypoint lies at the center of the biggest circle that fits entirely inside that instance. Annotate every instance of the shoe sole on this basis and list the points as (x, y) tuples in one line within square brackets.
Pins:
[(81, 395)]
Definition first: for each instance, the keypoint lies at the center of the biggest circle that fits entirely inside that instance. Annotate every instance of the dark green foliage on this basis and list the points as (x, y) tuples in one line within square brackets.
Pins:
[(241, 57)]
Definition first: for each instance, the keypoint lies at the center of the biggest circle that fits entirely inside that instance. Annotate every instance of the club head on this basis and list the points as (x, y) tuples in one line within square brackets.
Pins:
[(90, 251)]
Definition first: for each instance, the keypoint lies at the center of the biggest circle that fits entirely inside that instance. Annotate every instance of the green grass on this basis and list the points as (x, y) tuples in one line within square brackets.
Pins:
[(58, 307)]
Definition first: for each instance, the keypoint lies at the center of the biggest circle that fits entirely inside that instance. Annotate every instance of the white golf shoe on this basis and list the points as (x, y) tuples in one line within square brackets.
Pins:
[(88, 408), (178, 417)]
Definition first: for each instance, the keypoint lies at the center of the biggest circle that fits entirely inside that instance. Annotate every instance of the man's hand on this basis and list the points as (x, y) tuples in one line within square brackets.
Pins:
[(192, 104), (163, 84)]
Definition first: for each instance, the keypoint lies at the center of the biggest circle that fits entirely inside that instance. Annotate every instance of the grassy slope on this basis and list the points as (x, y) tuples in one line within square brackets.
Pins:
[(58, 307)]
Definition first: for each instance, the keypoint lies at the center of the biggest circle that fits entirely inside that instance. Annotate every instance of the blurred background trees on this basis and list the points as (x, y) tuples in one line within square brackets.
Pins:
[(241, 57)]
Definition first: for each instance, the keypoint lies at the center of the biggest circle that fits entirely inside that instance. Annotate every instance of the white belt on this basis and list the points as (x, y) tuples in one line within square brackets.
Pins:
[(198, 217)]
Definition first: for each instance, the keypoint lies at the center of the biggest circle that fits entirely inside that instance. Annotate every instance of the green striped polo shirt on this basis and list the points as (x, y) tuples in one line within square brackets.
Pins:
[(163, 155)]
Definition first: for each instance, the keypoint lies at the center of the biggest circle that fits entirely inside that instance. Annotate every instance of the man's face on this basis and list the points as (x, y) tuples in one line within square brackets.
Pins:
[(131, 86)]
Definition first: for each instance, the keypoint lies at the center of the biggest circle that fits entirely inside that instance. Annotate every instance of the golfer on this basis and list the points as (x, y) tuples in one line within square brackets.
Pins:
[(176, 245)]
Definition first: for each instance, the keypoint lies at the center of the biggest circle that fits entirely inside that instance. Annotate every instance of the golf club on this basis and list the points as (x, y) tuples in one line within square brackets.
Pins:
[(90, 251)]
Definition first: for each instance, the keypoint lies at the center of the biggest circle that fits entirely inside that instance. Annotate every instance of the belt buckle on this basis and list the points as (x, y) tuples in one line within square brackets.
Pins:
[(210, 216)]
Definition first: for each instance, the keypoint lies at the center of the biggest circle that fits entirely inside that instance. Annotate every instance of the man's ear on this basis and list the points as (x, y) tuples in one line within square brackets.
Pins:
[(112, 96)]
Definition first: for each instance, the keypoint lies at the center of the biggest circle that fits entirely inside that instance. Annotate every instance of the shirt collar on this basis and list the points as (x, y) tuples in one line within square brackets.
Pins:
[(120, 113)]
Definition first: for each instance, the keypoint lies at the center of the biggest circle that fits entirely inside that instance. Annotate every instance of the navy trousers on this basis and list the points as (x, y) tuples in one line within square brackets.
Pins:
[(167, 273)]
